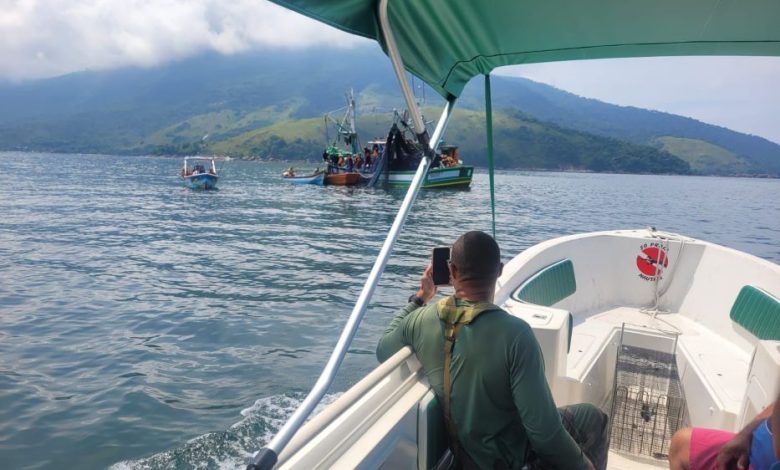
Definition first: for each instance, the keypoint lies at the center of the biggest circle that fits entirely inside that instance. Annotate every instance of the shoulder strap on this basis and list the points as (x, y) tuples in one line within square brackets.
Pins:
[(454, 318)]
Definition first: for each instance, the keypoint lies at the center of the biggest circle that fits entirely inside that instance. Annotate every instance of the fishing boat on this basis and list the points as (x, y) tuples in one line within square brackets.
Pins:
[(199, 173), (658, 329), (342, 169), (316, 178), (448, 172)]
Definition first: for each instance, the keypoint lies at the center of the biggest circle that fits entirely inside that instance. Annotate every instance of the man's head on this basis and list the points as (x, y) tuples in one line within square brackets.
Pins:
[(475, 260)]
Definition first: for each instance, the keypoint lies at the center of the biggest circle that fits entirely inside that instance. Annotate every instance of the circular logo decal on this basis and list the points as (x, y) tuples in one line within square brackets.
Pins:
[(647, 261)]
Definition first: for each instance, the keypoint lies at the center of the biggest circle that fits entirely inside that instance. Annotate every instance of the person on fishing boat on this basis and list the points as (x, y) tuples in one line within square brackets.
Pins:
[(487, 371), (367, 158), (756, 446)]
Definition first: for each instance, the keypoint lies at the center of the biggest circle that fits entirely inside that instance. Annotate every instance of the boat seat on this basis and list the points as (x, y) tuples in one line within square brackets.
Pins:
[(717, 370), (758, 312), (549, 286)]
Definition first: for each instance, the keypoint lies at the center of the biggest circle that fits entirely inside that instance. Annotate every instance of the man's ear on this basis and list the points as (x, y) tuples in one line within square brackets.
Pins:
[(453, 271)]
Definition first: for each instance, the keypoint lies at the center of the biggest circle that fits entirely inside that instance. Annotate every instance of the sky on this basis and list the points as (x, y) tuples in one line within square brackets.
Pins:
[(46, 38)]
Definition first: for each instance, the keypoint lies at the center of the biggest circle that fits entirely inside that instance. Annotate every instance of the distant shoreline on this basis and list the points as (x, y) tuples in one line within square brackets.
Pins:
[(260, 159)]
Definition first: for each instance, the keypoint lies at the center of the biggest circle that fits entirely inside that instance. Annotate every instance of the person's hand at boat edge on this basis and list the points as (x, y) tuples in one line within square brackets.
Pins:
[(427, 288), (735, 454)]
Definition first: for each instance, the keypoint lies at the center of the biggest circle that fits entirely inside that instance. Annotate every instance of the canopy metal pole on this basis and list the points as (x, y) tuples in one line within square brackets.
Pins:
[(489, 129), (267, 457), (400, 72)]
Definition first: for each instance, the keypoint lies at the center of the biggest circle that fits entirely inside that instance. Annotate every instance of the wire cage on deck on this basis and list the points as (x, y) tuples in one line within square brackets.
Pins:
[(648, 404)]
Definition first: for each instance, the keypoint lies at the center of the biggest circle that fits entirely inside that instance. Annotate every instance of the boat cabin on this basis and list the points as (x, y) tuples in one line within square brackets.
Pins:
[(198, 166)]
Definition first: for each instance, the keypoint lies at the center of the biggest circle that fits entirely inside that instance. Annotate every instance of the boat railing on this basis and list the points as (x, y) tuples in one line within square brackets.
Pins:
[(345, 401)]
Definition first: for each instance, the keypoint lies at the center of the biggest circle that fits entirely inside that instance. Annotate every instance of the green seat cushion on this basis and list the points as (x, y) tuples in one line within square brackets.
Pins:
[(548, 286), (758, 312)]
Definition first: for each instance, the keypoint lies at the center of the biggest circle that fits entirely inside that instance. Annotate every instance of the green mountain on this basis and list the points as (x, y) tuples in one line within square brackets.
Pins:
[(271, 104)]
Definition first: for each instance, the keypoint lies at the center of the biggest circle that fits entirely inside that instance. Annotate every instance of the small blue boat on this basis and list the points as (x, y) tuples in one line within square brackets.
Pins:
[(317, 178), (199, 173)]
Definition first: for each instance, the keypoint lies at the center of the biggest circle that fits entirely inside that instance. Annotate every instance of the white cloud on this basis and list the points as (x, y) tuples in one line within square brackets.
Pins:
[(43, 38), (735, 92)]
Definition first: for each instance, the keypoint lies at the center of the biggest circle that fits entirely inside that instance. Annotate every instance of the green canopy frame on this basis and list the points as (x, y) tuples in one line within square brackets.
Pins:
[(447, 42)]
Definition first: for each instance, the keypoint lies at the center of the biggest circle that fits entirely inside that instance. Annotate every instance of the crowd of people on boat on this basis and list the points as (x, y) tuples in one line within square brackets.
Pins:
[(196, 170), (363, 163), (450, 157)]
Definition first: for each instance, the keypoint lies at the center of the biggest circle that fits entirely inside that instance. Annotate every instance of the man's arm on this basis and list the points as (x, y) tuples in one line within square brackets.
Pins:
[(534, 402), (393, 339), (737, 450), (395, 336)]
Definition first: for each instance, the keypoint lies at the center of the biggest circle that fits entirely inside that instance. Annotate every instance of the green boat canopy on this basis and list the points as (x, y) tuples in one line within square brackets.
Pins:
[(447, 42)]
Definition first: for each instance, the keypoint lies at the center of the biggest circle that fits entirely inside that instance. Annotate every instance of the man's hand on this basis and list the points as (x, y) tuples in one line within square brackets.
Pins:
[(735, 453), (427, 287)]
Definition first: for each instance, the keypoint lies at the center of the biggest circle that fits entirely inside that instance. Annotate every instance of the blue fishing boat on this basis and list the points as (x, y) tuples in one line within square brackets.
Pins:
[(199, 173), (316, 178)]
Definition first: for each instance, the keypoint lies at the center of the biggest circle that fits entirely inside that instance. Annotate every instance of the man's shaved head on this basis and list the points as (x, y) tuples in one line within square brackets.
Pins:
[(476, 257)]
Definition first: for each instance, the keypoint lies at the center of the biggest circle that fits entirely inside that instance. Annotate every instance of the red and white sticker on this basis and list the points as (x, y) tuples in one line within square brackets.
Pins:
[(650, 257)]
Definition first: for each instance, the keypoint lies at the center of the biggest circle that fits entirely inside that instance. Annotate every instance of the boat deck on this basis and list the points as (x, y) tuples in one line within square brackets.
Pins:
[(722, 367), (623, 462)]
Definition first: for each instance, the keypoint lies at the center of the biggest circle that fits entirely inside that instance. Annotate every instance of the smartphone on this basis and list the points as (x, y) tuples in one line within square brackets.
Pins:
[(441, 270)]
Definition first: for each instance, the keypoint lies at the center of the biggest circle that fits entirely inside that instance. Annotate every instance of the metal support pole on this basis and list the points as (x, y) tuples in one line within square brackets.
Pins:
[(489, 129), (400, 72), (267, 457)]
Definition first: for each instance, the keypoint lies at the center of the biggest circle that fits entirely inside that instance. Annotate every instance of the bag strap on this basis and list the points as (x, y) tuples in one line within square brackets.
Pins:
[(454, 318), (449, 343)]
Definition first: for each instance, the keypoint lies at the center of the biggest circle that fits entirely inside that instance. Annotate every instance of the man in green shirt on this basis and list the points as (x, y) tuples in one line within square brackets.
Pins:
[(499, 411)]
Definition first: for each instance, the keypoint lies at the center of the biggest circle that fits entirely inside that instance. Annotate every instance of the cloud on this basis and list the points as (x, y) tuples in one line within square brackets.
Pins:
[(44, 38), (735, 92)]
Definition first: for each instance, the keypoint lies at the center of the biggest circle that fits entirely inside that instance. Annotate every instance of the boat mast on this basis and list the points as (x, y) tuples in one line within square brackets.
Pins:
[(351, 121), (266, 458)]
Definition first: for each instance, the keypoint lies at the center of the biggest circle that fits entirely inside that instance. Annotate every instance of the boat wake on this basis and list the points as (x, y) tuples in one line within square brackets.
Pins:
[(232, 448)]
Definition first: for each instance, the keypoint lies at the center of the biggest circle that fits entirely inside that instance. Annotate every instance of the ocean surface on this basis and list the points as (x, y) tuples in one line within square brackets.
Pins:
[(145, 326)]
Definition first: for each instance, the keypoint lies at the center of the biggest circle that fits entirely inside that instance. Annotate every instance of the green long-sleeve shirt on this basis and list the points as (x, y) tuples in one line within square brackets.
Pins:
[(500, 400)]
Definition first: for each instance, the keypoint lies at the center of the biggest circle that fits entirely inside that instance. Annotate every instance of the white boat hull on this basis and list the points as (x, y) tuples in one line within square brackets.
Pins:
[(728, 374)]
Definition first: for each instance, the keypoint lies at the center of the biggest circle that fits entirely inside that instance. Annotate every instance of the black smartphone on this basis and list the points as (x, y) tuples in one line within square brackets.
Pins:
[(441, 271)]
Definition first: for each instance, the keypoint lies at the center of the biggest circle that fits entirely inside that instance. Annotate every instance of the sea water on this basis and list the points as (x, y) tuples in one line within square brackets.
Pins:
[(145, 325)]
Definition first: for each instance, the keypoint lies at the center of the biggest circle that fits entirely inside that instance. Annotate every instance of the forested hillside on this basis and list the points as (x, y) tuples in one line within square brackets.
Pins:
[(270, 105)]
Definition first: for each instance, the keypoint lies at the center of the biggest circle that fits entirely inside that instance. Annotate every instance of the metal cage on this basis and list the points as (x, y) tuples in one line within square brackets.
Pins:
[(648, 404)]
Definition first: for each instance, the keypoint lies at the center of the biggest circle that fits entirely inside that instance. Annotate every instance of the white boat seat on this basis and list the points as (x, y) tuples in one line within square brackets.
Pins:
[(715, 372), (549, 286), (712, 365)]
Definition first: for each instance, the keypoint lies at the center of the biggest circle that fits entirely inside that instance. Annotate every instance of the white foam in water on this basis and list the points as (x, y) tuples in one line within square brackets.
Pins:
[(232, 448)]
